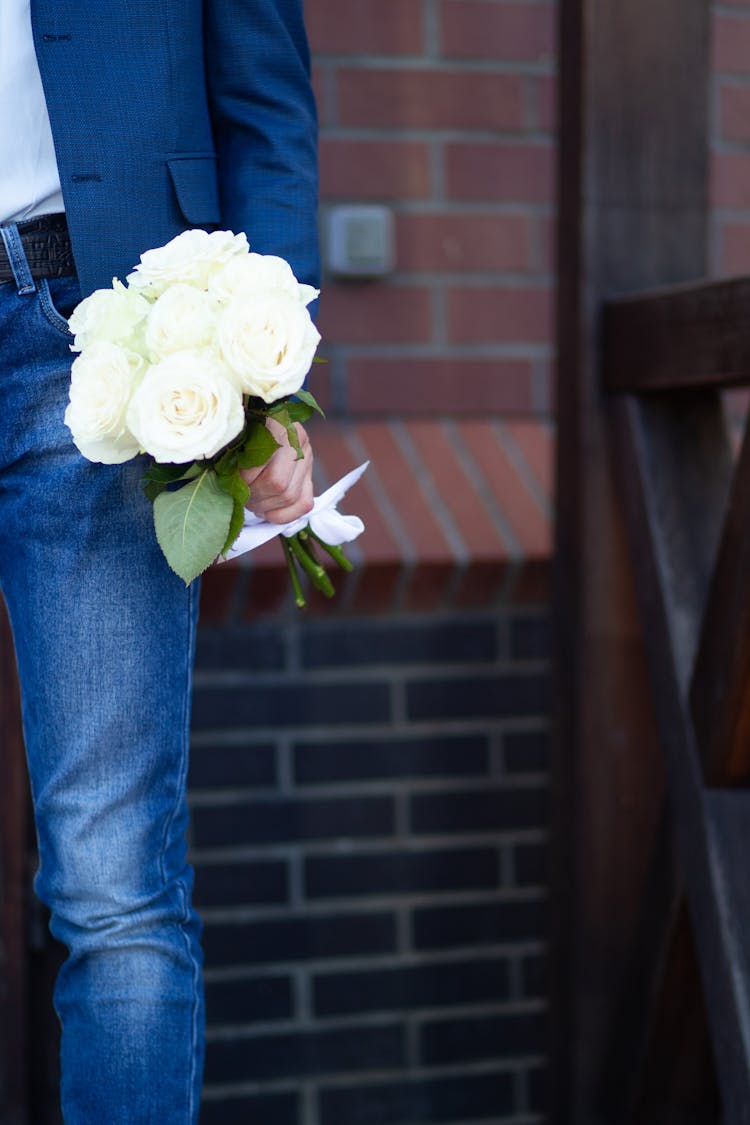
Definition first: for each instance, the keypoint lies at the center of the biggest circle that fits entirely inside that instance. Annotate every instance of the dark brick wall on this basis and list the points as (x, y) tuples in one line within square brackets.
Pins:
[(369, 830)]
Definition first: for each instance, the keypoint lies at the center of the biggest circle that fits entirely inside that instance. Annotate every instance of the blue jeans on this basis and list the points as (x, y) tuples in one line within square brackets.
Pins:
[(104, 636)]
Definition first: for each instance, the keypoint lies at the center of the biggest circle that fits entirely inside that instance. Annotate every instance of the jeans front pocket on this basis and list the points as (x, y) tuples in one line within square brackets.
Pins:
[(58, 297)]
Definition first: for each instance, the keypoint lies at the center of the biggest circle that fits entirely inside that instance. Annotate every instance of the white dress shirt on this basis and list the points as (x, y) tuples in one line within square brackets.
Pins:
[(29, 180)]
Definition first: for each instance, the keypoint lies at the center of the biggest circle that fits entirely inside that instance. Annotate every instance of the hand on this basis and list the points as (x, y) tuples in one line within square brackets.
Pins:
[(282, 490)]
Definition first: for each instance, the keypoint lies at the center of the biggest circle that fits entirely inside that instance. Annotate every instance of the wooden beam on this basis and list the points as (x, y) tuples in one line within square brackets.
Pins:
[(720, 688), (643, 450), (633, 212), (677, 1081), (690, 336)]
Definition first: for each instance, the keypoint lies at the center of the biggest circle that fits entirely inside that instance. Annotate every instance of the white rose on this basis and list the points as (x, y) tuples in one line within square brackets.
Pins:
[(190, 257), (113, 314), (102, 383), (269, 343), (183, 317), (254, 275), (186, 408)]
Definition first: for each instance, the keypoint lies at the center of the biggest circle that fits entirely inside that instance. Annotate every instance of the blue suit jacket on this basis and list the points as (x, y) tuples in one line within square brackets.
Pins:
[(169, 114)]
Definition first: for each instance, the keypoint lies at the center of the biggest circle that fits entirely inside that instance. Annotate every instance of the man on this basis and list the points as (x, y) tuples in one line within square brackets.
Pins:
[(139, 119)]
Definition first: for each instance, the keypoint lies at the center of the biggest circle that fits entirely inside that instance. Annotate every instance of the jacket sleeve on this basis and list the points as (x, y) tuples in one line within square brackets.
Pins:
[(265, 126)]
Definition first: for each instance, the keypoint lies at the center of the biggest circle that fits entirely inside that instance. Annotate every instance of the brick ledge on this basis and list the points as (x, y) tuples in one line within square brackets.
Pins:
[(458, 515)]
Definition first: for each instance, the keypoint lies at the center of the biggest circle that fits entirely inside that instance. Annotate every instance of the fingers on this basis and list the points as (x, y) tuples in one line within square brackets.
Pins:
[(282, 490)]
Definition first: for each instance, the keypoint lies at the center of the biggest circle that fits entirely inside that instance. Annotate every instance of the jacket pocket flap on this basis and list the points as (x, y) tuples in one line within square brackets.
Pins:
[(196, 187)]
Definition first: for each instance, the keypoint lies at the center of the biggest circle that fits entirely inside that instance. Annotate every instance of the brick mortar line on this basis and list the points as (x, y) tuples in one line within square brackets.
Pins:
[(537, 834), (502, 897), (523, 468), (439, 316), (531, 947), (309, 1101), (204, 797), (430, 491), (285, 783), (222, 1032), (478, 481), (530, 102), (313, 732), (214, 1092), (505, 894), (469, 279), (432, 29), (252, 972), (484, 350), (722, 215), (725, 79), (723, 147), (296, 897), (459, 208), (483, 1066), (510, 724), (436, 158), (507, 873), (303, 996), (388, 901), (328, 110), (476, 279), (467, 136), (538, 244), (348, 1078), (412, 785), (385, 504), (542, 67), (374, 904), (376, 848), (383, 728), (529, 280), (541, 391), (527, 947)]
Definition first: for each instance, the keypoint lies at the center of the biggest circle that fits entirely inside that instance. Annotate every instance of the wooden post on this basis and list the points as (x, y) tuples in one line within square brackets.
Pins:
[(633, 215)]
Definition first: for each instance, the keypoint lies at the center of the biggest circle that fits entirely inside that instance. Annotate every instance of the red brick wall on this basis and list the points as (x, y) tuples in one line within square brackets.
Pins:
[(443, 110)]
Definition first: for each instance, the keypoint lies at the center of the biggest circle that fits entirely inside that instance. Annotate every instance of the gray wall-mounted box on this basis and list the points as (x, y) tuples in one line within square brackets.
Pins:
[(359, 241)]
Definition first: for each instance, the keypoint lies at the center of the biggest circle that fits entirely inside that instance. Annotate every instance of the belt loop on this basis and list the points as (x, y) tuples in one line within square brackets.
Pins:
[(17, 258)]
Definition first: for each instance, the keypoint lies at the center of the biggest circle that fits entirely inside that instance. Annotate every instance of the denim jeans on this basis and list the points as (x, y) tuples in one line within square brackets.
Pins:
[(104, 636)]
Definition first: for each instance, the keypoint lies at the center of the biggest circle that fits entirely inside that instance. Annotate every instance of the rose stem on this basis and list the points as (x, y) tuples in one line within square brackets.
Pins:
[(318, 576), (299, 597), (335, 552)]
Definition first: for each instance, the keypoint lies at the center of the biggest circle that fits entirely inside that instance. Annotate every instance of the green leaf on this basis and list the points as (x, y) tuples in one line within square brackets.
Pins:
[(281, 414), (152, 488), (168, 474), (305, 396), (298, 411), (227, 463), (240, 494), (259, 447), (192, 524)]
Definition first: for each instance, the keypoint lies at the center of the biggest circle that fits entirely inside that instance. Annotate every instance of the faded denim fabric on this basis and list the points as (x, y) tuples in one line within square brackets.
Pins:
[(104, 635)]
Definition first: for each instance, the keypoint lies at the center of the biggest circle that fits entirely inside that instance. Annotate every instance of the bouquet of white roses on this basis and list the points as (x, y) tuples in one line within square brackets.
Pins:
[(185, 363)]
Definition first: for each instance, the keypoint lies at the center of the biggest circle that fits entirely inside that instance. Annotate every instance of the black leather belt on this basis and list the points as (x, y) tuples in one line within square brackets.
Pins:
[(46, 244)]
